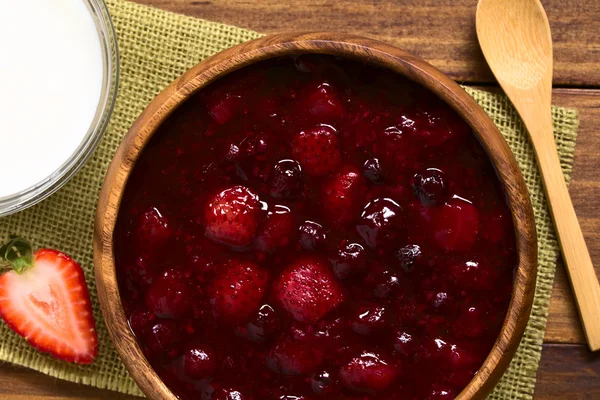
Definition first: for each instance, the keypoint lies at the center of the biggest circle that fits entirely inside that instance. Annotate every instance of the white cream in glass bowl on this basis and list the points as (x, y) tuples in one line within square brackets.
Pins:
[(58, 83)]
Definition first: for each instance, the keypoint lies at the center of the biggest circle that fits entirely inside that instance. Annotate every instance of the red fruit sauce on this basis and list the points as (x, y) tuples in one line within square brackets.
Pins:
[(315, 228)]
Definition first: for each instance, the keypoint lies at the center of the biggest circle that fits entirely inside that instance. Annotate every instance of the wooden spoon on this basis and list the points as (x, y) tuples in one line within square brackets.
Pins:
[(515, 38)]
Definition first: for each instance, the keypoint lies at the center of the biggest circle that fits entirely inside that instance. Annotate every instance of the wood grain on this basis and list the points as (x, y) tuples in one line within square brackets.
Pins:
[(408, 24), (514, 36), (363, 49), (22, 383), (448, 41), (440, 31), (563, 322), (568, 372)]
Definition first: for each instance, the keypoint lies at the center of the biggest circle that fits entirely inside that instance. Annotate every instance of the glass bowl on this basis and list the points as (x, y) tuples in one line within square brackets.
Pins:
[(110, 76)]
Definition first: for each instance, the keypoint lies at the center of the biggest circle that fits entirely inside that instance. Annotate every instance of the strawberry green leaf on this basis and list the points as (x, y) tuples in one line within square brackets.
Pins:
[(16, 254)]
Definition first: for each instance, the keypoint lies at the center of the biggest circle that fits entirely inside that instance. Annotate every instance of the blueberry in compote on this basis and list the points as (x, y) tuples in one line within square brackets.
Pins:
[(314, 227)]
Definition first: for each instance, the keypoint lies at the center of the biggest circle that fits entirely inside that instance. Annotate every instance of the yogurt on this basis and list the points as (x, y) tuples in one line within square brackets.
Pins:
[(51, 72)]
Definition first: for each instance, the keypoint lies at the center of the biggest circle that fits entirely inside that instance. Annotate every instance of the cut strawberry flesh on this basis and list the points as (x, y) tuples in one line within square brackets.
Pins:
[(49, 305), (339, 231)]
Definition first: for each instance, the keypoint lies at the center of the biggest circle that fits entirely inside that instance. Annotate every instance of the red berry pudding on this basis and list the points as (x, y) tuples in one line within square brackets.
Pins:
[(314, 227)]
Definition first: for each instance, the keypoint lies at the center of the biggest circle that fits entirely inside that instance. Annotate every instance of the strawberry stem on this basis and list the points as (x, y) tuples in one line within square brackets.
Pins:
[(16, 254)]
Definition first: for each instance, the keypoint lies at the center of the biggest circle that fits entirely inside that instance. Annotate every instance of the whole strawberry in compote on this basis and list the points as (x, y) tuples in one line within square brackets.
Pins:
[(237, 289), (308, 290), (342, 195), (232, 216), (170, 295), (314, 227), (368, 373), (293, 357), (277, 230), (317, 149)]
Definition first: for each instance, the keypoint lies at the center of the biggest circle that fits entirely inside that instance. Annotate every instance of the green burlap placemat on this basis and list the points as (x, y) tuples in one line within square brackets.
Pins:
[(157, 46)]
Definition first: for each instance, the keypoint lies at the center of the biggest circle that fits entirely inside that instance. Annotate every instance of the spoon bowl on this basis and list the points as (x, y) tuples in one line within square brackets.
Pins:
[(516, 63)]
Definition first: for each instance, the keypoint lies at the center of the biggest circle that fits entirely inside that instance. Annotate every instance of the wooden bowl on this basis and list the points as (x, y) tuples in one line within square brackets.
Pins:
[(350, 46)]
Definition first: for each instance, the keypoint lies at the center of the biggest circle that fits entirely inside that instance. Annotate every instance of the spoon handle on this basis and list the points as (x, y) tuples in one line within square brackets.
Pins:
[(574, 250)]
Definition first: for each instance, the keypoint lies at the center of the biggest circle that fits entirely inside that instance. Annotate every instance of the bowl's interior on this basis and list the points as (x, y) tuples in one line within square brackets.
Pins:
[(362, 49)]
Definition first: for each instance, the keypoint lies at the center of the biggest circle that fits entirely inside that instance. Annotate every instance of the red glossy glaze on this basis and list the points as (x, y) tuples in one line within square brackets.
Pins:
[(314, 227)]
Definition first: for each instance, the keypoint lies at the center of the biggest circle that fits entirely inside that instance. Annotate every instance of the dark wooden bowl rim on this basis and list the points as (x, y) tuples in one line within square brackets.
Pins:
[(324, 43)]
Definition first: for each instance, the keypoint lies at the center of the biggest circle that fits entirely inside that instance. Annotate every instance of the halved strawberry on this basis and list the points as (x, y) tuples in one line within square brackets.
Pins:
[(44, 299)]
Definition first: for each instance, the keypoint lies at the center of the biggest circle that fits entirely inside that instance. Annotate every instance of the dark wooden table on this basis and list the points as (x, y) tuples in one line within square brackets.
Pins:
[(442, 32)]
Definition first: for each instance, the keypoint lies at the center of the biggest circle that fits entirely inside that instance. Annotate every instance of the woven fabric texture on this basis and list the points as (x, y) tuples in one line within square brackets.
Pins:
[(156, 47)]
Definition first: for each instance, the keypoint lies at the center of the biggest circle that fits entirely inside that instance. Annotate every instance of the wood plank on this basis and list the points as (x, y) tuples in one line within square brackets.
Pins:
[(568, 372), (563, 322), (440, 31), (561, 367), (571, 31), (448, 41), (25, 384)]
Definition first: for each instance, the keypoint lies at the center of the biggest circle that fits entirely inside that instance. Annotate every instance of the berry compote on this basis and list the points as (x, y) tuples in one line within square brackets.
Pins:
[(315, 228)]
